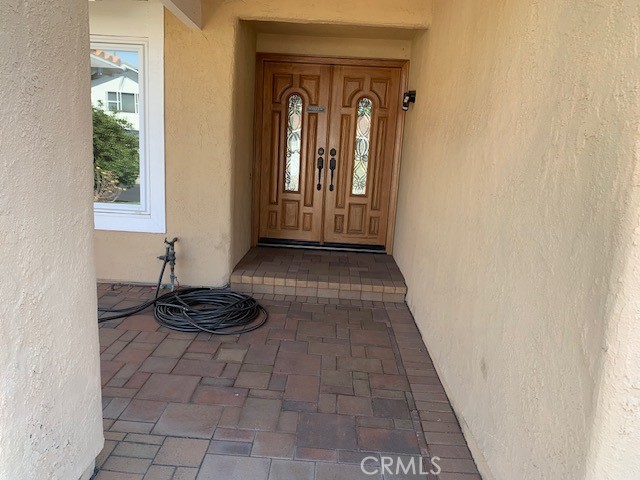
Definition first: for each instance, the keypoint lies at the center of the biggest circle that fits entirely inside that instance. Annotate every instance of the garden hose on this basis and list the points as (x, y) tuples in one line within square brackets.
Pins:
[(216, 311)]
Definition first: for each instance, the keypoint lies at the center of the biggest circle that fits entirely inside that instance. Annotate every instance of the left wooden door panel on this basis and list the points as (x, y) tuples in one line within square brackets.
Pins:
[(291, 207)]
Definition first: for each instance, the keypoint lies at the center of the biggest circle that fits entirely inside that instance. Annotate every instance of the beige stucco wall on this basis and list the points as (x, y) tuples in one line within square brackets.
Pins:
[(615, 438), (242, 141), (334, 46), (517, 163), (208, 105), (50, 409)]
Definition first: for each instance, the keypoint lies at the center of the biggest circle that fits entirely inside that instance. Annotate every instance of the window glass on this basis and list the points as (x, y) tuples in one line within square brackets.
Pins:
[(362, 144), (116, 124), (294, 134), (128, 102)]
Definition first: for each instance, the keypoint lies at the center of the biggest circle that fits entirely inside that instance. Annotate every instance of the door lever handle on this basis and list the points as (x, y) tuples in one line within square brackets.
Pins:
[(320, 166), (332, 166)]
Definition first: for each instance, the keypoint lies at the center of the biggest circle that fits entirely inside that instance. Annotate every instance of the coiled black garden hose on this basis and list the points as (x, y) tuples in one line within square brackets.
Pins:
[(221, 312)]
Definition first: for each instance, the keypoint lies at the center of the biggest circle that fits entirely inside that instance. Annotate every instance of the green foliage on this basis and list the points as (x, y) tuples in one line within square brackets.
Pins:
[(115, 150)]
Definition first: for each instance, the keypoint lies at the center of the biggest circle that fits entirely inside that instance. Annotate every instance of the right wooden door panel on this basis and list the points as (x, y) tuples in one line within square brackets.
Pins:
[(364, 111)]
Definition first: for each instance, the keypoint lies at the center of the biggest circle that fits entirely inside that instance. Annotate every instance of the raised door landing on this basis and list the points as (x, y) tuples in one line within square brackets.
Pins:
[(322, 274)]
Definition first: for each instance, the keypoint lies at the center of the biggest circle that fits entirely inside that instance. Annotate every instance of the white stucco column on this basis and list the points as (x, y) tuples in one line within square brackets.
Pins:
[(50, 421)]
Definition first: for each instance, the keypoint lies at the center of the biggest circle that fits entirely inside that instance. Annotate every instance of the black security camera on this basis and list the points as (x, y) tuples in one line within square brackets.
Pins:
[(407, 98)]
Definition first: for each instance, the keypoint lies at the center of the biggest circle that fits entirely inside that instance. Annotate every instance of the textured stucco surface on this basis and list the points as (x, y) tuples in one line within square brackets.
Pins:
[(50, 410), (242, 141), (615, 438), (334, 46), (516, 172), (208, 106)]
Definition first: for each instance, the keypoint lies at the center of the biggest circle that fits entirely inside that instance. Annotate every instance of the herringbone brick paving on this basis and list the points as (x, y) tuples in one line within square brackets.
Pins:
[(325, 383)]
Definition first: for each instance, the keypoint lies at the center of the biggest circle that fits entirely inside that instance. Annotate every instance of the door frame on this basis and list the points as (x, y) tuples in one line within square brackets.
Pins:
[(261, 59)]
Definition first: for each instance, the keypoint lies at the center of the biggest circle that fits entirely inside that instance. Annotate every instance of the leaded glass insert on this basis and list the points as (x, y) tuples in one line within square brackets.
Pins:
[(294, 135), (363, 141)]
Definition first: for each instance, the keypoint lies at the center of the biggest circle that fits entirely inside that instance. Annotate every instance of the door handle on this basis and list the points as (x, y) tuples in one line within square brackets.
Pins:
[(320, 166), (332, 166)]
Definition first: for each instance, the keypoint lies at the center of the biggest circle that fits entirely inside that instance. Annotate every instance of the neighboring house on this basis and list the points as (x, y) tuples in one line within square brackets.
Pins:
[(115, 87)]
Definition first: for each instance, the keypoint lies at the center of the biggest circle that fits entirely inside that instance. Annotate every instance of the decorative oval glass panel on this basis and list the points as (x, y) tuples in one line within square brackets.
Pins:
[(294, 136), (363, 142)]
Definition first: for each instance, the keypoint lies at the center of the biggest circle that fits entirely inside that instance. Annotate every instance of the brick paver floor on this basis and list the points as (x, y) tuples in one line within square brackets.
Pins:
[(324, 384)]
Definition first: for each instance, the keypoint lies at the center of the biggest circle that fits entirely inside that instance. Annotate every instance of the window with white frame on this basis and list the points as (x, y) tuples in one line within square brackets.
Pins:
[(122, 102), (127, 97)]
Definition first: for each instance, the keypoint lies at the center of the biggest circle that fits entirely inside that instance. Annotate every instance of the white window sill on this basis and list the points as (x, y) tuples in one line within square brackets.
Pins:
[(129, 222)]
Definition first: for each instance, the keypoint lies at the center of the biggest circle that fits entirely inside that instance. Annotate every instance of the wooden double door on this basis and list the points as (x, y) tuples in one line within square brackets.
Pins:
[(328, 147)]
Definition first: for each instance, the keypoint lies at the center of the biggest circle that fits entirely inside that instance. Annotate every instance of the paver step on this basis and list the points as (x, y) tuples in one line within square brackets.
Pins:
[(353, 276)]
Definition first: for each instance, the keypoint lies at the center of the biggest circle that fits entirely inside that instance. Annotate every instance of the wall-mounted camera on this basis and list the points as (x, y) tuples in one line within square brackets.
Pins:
[(407, 98)]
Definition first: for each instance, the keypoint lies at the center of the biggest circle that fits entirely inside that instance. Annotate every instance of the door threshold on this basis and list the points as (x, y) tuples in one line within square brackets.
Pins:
[(331, 247)]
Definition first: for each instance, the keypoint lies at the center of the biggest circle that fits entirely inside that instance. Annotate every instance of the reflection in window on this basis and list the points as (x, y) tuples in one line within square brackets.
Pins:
[(115, 89), (363, 141), (294, 132), (122, 102)]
